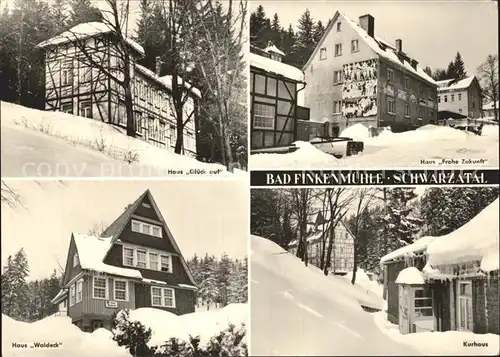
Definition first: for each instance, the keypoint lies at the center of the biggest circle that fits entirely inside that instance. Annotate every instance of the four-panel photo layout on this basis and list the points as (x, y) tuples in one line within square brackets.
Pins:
[(222, 178)]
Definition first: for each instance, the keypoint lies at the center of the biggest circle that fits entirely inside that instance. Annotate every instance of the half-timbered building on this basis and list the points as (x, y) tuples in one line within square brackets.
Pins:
[(134, 263), (274, 88), (449, 282), (319, 236), (74, 86)]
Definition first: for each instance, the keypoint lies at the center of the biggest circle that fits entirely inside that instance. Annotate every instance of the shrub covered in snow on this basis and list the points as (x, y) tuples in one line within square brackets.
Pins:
[(136, 335)]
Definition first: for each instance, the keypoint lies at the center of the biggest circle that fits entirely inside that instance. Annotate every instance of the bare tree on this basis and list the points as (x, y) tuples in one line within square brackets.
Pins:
[(364, 197), (301, 207), (9, 196), (488, 75), (218, 56)]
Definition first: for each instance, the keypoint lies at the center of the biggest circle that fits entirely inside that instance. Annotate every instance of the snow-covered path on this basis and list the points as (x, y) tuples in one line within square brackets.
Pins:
[(304, 318)]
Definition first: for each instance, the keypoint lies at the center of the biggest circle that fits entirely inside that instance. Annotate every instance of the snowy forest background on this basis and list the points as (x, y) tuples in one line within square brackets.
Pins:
[(298, 41), (211, 58), (221, 281), (381, 219)]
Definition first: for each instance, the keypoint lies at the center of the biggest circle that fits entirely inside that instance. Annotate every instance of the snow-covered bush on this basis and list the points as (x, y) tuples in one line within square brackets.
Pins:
[(136, 337), (131, 334)]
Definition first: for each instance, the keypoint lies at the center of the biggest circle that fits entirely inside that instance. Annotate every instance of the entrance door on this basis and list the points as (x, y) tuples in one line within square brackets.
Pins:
[(97, 324), (404, 307), (464, 306)]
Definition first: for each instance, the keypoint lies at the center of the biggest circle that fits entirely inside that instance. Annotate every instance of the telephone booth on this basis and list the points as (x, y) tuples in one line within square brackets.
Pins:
[(415, 302)]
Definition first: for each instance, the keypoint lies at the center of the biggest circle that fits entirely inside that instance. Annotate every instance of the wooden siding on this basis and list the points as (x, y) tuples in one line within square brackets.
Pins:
[(145, 240), (441, 305), (179, 275), (480, 324), (70, 272), (185, 300), (492, 303), (283, 98)]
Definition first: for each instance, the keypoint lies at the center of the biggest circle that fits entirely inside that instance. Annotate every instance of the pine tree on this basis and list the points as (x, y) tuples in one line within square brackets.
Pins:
[(260, 28), (428, 70), (288, 45), (82, 11), (305, 38), (451, 72), (15, 291), (319, 30), (60, 16), (208, 289), (8, 300), (276, 32), (459, 67)]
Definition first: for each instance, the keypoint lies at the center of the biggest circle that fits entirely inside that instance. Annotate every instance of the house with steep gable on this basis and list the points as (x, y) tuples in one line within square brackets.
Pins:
[(355, 77), (462, 96), (319, 233), (74, 86), (134, 263), (450, 282)]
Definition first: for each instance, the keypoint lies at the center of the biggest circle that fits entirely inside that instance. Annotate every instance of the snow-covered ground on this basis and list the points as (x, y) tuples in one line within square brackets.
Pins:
[(319, 315), (67, 340), (297, 310), (57, 137), (450, 343), (391, 150)]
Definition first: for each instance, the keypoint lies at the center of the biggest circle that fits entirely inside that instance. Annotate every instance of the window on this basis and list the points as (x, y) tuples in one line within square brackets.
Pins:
[(431, 112), (459, 96), (339, 26), (128, 256), (337, 77), (420, 113), (439, 99), (79, 290), (453, 97), (322, 54), (445, 98), (390, 76), (86, 109), (121, 290), (156, 231), (407, 110), (162, 132), (354, 46), (64, 77), (460, 110), (464, 310), (423, 302), (141, 259), (391, 105), (153, 261), (100, 288), (72, 295), (67, 108), (263, 116), (163, 297), (338, 49), (138, 122), (165, 263), (407, 83), (76, 260), (146, 228), (337, 107)]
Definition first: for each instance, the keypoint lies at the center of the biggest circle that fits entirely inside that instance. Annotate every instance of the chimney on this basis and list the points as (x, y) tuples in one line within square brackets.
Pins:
[(367, 23), (157, 65), (399, 45)]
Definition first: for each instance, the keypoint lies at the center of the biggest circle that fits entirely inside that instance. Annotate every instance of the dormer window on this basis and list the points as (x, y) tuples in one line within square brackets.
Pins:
[(145, 258), (76, 260), (146, 228)]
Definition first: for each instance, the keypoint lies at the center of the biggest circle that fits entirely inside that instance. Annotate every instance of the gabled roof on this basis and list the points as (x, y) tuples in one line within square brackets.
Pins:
[(112, 233), (318, 234), (454, 84), (379, 46), (87, 30), (276, 67), (274, 49), (489, 106), (60, 296)]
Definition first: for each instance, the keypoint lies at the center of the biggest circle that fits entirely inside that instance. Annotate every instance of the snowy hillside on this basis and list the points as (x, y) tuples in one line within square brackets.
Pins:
[(56, 136), (390, 149), (66, 340), (308, 313)]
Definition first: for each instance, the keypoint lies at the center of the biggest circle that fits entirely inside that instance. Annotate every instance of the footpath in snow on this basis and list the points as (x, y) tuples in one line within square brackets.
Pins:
[(430, 143), (60, 140)]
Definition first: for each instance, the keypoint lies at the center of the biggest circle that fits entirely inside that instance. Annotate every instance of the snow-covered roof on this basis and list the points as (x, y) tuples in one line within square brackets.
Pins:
[(489, 106), (478, 239), (379, 46), (274, 49), (417, 247), (410, 275), (86, 30), (452, 84), (276, 67), (92, 251), (60, 296), (166, 81)]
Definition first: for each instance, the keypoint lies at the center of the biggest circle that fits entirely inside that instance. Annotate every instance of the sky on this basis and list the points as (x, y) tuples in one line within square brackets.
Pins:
[(204, 216), (432, 31)]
